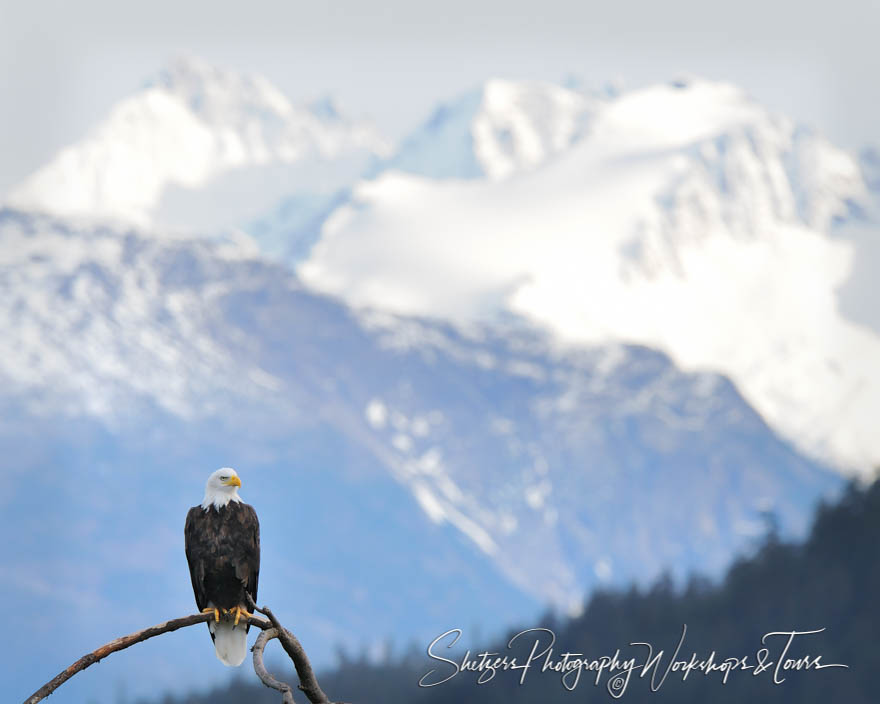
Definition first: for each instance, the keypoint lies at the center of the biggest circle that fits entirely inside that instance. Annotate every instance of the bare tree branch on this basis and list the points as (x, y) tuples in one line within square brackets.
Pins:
[(263, 673), (271, 629), (308, 683)]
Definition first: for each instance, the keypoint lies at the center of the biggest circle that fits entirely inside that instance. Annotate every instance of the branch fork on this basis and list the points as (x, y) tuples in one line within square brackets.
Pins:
[(271, 629)]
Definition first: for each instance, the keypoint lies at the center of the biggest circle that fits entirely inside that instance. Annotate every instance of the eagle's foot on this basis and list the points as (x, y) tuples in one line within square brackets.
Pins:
[(239, 611), (212, 610)]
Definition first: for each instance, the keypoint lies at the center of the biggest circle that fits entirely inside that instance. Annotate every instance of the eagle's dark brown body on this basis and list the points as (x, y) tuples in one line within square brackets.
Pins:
[(223, 552)]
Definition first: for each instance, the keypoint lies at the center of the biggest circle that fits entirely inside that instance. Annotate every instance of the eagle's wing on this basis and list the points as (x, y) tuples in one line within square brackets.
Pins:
[(194, 556), (248, 568)]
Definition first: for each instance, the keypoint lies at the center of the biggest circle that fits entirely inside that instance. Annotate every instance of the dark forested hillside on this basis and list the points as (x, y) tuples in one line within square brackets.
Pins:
[(829, 582)]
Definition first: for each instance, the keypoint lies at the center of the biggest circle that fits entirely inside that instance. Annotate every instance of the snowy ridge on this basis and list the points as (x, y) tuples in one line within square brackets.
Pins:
[(189, 126), (688, 218), (561, 488), (113, 321), (495, 131)]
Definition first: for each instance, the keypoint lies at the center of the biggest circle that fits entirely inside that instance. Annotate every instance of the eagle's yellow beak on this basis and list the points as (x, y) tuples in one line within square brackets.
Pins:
[(233, 481)]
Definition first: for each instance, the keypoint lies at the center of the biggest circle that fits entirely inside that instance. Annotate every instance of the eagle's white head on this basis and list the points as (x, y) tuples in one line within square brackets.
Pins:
[(222, 487)]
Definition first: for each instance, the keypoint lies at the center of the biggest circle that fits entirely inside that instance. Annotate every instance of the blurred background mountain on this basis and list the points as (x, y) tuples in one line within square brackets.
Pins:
[(563, 338)]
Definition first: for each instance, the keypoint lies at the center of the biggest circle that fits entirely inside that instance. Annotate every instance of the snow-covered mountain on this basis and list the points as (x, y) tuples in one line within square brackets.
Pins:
[(200, 147), (409, 476), (495, 131), (684, 216), (558, 327)]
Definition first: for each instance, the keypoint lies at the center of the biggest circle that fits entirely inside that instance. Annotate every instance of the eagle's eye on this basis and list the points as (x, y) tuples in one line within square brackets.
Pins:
[(224, 478)]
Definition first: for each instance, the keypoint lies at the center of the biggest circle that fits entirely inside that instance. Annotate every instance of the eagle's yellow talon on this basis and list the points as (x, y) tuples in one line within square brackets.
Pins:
[(239, 612), (209, 610)]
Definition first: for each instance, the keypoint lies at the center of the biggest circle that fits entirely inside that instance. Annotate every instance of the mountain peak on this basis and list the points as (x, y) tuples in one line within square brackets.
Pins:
[(190, 125), (182, 70), (503, 127), (217, 94), (496, 130)]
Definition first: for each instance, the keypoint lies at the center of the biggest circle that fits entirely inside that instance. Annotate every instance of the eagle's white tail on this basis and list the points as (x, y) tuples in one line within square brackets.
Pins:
[(230, 642)]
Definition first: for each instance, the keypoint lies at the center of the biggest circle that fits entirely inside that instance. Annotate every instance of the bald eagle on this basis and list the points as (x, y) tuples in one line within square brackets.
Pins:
[(223, 551)]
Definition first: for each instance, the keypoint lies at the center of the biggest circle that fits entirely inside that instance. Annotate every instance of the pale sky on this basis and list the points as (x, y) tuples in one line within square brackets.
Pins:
[(65, 63)]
